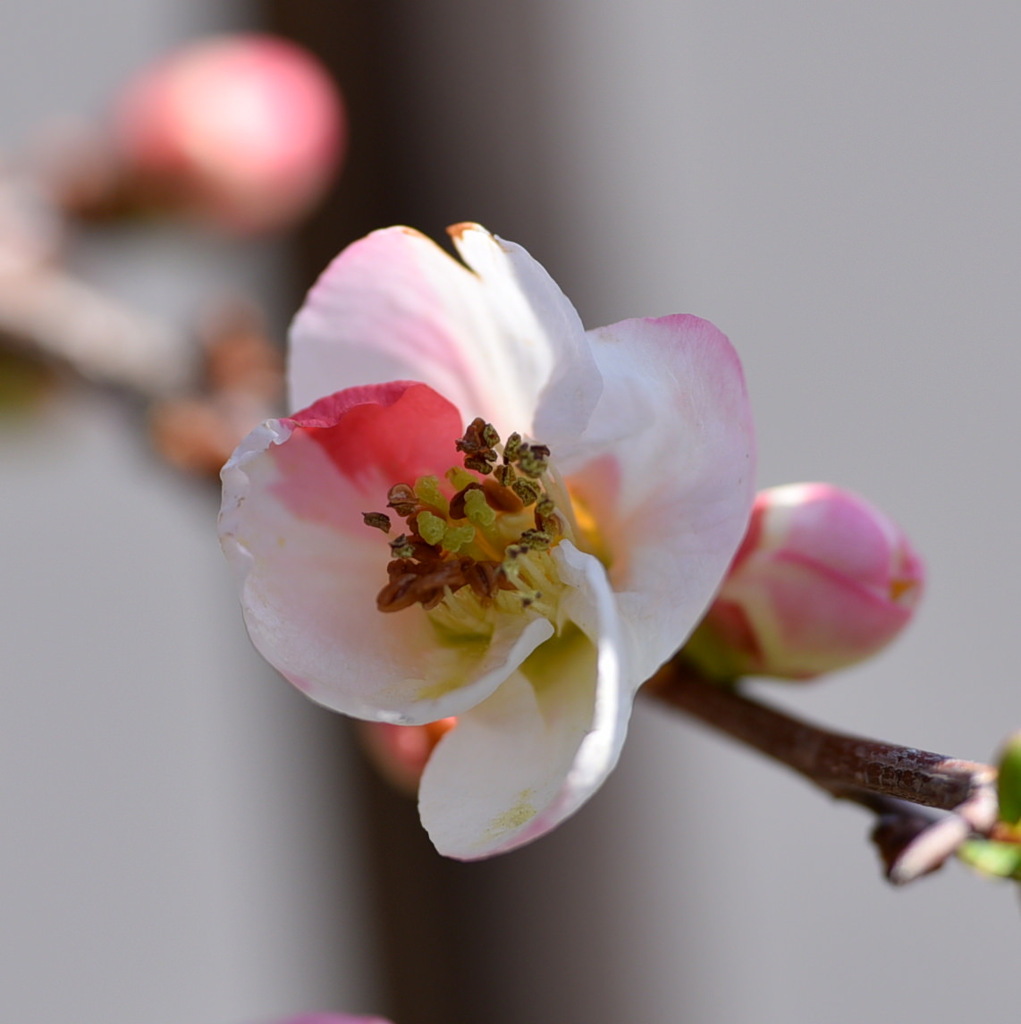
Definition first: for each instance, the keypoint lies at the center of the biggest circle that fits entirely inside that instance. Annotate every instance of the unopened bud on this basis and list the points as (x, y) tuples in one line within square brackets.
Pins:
[(400, 752), (822, 580), (244, 131)]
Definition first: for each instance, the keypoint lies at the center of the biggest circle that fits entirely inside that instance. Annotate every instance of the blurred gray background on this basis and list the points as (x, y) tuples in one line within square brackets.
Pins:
[(836, 186)]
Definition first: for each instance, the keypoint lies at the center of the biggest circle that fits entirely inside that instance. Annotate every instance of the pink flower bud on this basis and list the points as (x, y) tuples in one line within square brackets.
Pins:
[(822, 580), (400, 752), (245, 131)]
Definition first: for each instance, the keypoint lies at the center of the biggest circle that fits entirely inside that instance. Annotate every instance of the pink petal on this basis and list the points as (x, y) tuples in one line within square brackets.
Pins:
[(833, 528), (379, 435), (672, 488), (846, 618)]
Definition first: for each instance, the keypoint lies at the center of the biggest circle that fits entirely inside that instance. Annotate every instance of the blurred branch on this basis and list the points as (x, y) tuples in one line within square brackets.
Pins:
[(888, 779), (50, 313), (201, 390)]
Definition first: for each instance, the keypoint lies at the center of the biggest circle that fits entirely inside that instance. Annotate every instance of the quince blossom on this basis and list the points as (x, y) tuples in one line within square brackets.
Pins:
[(555, 509)]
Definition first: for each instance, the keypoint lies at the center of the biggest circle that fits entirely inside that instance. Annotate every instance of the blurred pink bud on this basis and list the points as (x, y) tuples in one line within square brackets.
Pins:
[(822, 580), (400, 752), (245, 131)]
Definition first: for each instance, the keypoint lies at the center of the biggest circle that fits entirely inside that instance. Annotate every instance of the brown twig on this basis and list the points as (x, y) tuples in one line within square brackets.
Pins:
[(50, 312), (890, 780)]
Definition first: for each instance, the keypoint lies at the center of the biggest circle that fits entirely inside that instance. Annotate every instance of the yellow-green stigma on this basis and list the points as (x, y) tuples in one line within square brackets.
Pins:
[(486, 545)]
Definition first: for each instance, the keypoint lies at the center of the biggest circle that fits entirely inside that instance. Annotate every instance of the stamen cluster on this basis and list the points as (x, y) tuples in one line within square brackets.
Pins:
[(485, 537)]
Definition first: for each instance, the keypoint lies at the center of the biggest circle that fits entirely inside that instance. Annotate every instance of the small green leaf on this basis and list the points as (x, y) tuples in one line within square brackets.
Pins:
[(1009, 784), (1002, 860)]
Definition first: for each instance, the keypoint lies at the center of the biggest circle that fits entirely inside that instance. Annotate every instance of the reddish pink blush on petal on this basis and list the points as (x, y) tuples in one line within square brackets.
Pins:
[(398, 431)]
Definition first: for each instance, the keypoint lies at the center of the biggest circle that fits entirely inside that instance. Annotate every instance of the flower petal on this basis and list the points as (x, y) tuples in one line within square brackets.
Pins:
[(811, 619), (528, 757), (672, 490), (394, 306), (291, 526), (536, 314)]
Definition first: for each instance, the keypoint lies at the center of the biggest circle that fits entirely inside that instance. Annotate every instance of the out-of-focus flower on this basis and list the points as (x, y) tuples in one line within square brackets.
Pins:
[(544, 561), (822, 580), (244, 131), (401, 752)]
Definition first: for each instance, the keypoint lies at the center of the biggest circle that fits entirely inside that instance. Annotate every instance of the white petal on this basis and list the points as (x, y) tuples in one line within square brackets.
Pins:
[(521, 762), (310, 570), (537, 316), (672, 486), (394, 306)]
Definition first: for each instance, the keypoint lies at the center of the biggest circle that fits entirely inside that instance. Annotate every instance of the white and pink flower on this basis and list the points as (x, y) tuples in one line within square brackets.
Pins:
[(566, 503)]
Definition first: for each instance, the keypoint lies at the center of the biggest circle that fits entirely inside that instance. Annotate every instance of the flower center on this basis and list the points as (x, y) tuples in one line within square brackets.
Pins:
[(487, 547)]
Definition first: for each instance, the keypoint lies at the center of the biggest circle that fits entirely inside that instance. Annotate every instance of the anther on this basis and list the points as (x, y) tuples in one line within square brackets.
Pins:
[(425, 588), (549, 524), (472, 439), (545, 518), (402, 547), (402, 499), (480, 462), (536, 540), (504, 474), (379, 520), (533, 460), (479, 438), (511, 447), (528, 492), (482, 577), (398, 593), (489, 436)]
